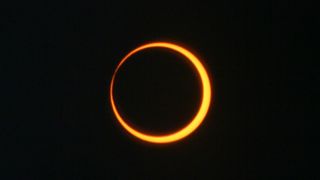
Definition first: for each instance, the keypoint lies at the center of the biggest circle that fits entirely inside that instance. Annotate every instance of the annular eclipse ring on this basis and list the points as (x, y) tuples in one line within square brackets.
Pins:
[(194, 123)]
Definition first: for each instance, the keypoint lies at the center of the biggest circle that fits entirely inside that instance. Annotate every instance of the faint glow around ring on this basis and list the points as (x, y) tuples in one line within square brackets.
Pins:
[(197, 119)]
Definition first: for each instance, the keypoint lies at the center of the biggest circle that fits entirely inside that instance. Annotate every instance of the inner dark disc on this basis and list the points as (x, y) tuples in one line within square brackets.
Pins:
[(157, 91)]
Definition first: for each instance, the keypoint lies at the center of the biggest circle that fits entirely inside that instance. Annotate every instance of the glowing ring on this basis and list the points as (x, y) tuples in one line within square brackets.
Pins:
[(198, 118)]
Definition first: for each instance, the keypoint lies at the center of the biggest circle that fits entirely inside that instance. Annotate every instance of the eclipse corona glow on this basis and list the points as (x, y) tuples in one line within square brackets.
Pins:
[(194, 122)]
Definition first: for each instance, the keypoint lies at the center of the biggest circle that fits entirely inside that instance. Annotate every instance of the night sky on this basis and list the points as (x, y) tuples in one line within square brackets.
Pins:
[(59, 57)]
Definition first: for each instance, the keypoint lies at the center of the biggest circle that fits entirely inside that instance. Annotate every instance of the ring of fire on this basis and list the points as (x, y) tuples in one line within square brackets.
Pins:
[(197, 119)]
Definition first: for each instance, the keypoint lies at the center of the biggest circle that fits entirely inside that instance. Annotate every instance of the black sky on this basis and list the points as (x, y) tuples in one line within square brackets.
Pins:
[(58, 60)]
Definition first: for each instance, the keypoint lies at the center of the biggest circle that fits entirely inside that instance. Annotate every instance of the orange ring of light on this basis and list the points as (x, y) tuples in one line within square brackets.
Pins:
[(198, 118)]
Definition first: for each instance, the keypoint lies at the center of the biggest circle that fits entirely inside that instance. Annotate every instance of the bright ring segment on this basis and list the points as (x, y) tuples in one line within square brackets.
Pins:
[(197, 119)]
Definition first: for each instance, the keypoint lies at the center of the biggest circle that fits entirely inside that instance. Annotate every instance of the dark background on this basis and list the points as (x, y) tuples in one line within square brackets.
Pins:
[(57, 63)]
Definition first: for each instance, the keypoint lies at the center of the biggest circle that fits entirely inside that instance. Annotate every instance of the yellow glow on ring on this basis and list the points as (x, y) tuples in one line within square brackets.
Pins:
[(203, 109)]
